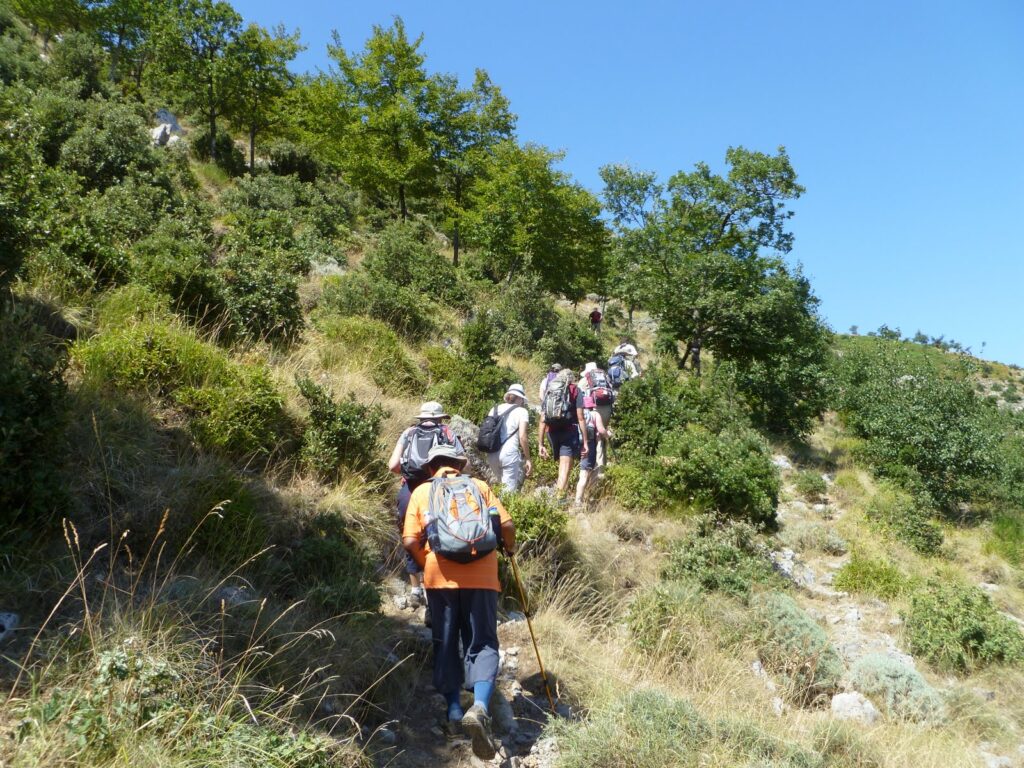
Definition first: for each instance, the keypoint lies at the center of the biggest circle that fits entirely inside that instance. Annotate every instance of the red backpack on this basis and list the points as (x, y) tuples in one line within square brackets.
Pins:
[(598, 386)]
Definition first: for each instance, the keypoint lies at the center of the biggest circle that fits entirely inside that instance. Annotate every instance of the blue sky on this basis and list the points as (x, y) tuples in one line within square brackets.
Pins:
[(904, 121)]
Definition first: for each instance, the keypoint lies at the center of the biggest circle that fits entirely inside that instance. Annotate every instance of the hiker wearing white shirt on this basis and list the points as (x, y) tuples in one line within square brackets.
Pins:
[(511, 465)]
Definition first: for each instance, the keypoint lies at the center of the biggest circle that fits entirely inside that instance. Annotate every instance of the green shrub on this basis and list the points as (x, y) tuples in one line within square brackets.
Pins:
[(368, 343), (731, 472), (571, 342), (404, 257), (228, 156), (77, 57), (172, 262), (792, 645), (897, 689), (633, 487), (955, 627), (242, 416), (811, 485), (536, 519), (110, 142), (898, 513), (290, 159), (331, 570), (726, 558), (871, 577), (357, 293), (466, 387), (809, 536), (643, 729), (130, 304), (477, 336), (32, 393), (261, 295), (345, 433), (842, 745), (236, 531)]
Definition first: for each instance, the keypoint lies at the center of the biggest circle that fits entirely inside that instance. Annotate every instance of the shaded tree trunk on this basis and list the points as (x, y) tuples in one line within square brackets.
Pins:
[(401, 202), (455, 244), (252, 150)]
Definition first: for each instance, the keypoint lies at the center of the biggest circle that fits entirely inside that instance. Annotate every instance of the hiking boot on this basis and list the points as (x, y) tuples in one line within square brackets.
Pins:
[(416, 597), (452, 730), (477, 725)]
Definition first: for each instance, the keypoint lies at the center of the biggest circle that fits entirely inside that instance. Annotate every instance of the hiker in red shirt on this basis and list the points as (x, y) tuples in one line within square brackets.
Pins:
[(595, 320)]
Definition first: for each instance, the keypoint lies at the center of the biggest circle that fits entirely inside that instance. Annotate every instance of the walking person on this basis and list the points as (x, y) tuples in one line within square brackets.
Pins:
[(590, 464), (453, 529), (596, 384), (562, 422), (595, 321), (409, 459), (511, 464)]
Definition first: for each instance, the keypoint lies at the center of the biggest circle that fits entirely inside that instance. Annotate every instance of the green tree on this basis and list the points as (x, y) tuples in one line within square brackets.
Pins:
[(48, 17), (385, 92), (529, 216), (196, 47), (125, 27), (466, 125), (261, 78)]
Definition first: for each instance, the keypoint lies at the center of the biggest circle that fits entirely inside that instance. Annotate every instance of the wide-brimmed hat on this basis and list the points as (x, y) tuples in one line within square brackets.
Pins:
[(444, 450), (431, 410), (555, 367), (589, 367), (517, 390)]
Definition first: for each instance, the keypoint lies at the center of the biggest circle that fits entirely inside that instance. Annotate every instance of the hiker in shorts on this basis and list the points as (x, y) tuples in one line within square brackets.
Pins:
[(408, 459), (595, 384), (596, 431), (511, 465), (595, 320), (463, 597), (562, 422), (553, 371)]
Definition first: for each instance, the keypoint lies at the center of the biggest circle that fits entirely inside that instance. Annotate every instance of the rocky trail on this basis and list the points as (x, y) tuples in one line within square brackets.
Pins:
[(519, 707)]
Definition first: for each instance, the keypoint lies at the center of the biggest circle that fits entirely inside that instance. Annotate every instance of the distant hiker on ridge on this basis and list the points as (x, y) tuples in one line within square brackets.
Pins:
[(453, 529), (595, 320), (409, 459)]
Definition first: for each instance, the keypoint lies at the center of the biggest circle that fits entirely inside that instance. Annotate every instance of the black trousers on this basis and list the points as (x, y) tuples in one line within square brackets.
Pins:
[(469, 616)]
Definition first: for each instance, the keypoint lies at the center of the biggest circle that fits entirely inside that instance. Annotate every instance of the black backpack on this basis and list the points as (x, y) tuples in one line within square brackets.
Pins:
[(489, 439), (417, 446)]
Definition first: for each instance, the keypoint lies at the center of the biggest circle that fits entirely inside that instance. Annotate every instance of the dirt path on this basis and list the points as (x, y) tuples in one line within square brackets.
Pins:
[(519, 709)]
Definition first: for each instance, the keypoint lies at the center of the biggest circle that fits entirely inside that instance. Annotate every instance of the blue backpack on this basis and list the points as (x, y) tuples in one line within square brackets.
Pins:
[(617, 373)]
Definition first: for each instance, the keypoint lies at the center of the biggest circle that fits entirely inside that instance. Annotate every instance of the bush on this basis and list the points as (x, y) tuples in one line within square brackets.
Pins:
[(357, 293), (813, 537), (32, 392), (657, 618), (332, 570), (731, 472), (536, 519), (110, 142), (725, 558), (466, 387), (871, 577), (345, 433), (634, 488), (173, 263), (571, 343), (811, 485), (402, 257), (897, 689), (363, 342), (229, 157), (77, 57), (955, 627), (290, 159), (792, 645), (898, 513), (261, 296), (522, 313)]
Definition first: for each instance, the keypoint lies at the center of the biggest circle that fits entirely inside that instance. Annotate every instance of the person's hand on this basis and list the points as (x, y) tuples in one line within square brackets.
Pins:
[(542, 451), (528, 467), (585, 450)]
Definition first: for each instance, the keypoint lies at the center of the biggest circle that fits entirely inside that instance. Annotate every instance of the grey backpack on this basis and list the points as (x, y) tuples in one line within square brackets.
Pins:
[(459, 525)]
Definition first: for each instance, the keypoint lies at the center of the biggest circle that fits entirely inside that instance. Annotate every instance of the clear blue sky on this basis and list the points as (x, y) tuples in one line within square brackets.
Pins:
[(904, 121)]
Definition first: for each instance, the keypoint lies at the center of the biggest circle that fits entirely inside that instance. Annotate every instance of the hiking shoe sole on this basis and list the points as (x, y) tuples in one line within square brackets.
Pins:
[(477, 725)]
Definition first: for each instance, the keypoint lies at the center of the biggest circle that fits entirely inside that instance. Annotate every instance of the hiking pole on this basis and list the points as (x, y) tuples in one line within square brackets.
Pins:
[(533, 637)]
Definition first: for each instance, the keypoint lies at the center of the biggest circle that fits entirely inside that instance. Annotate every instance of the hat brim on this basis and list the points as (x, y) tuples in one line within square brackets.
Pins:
[(431, 416)]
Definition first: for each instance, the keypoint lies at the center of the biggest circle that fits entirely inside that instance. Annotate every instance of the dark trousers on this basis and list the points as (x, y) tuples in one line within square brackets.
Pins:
[(404, 494), (469, 615)]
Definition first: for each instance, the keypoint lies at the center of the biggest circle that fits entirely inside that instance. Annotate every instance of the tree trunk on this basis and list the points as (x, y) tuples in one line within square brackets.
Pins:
[(455, 233), (213, 136), (455, 244), (695, 347), (252, 150), (401, 202)]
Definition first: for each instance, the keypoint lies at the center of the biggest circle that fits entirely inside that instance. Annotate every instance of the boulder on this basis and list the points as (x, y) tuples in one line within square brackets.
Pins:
[(854, 706), (468, 432), (161, 134), (782, 462), (164, 116)]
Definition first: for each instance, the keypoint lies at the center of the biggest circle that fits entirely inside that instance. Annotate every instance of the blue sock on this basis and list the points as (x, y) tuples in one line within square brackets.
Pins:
[(482, 691), (454, 707)]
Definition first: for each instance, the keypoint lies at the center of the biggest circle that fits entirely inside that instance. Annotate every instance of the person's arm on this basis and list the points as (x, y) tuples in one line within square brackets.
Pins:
[(542, 430), (508, 537), (415, 548), (583, 430), (395, 462), (412, 533), (524, 444)]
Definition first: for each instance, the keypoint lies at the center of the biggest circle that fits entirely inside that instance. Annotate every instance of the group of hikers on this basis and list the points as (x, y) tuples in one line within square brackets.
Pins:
[(452, 525)]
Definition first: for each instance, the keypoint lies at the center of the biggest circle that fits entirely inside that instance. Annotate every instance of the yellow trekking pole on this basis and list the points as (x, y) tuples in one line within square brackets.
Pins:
[(533, 637)]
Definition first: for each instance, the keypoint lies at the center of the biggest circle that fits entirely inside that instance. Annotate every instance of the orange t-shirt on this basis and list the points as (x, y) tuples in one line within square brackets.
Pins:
[(438, 572)]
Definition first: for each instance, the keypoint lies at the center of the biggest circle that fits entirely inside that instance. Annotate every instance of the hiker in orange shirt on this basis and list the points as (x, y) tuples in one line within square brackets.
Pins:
[(453, 528)]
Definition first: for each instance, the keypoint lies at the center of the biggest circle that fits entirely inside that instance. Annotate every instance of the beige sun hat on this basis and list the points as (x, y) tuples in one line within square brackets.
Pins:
[(431, 410), (446, 451)]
